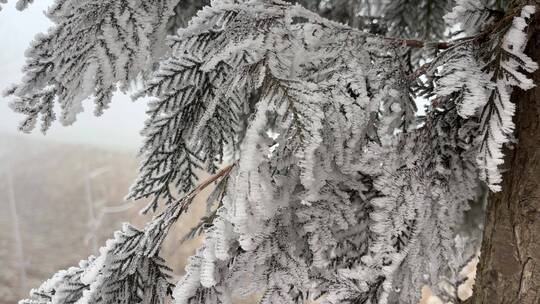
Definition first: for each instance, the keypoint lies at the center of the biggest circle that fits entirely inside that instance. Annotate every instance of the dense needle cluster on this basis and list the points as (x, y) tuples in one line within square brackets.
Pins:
[(327, 185)]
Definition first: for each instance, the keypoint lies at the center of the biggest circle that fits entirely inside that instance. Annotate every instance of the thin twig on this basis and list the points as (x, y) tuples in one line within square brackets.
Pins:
[(443, 45), (419, 72), (224, 171), (446, 45)]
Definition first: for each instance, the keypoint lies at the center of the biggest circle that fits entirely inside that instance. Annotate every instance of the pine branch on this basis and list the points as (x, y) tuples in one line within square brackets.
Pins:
[(93, 48)]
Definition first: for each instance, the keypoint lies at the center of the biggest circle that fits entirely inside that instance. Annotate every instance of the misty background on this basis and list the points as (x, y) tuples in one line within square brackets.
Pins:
[(61, 194)]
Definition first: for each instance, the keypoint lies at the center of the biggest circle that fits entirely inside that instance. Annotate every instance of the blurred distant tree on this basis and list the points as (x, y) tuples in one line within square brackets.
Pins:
[(327, 183), (17, 235)]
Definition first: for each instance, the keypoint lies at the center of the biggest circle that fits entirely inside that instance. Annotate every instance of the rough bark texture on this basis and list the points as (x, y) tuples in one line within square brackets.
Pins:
[(509, 269)]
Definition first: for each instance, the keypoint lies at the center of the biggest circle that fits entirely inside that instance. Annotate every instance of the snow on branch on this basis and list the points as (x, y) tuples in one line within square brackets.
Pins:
[(480, 74), (128, 266), (93, 48)]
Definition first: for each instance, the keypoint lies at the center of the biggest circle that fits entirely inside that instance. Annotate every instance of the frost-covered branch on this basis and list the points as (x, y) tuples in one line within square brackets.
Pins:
[(127, 268), (479, 75), (336, 192), (93, 48)]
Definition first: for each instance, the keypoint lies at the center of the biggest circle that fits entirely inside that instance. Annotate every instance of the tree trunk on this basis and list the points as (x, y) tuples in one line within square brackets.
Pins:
[(509, 268)]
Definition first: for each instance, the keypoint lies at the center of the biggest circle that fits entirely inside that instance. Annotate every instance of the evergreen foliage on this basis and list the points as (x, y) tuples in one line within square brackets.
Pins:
[(332, 188), (93, 47)]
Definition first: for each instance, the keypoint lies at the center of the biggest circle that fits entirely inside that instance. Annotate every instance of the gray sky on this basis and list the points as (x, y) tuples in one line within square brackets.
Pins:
[(118, 128)]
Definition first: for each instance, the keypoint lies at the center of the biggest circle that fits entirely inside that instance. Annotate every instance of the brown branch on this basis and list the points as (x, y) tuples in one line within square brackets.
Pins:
[(419, 72), (184, 203), (419, 43), (224, 171), (443, 45)]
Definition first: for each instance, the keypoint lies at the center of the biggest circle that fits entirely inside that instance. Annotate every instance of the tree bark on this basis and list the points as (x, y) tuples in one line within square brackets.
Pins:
[(509, 268)]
